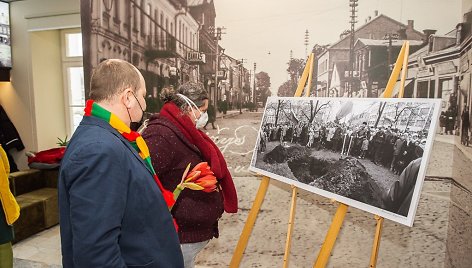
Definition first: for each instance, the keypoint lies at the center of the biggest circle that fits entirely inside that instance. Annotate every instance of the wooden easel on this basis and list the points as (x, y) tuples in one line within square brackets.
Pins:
[(261, 192), (328, 244)]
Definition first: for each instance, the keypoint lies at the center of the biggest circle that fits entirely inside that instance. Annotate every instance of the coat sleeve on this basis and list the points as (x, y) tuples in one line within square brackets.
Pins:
[(97, 194), (162, 148), (8, 202), (401, 188)]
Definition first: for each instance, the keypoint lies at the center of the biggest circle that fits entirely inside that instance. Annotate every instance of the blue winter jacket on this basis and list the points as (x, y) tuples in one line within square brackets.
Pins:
[(112, 214)]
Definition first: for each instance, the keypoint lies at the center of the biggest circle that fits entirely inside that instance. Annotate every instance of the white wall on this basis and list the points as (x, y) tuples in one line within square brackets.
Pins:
[(18, 98), (48, 87)]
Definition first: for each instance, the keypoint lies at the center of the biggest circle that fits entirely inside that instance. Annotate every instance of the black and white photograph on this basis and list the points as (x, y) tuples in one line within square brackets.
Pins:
[(5, 44), (367, 153)]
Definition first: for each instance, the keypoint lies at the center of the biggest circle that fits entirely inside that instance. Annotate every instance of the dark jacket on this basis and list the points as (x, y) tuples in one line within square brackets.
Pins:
[(112, 213), (399, 196), (9, 137), (196, 212), (211, 113)]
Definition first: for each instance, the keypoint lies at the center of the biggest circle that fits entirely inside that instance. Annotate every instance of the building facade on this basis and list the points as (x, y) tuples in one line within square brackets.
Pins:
[(154, 35), (380, 27)]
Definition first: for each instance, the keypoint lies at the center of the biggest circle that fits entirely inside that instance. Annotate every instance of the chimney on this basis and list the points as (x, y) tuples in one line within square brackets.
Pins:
[(376, 13), (369, 18), (428, 33), (402, 34), (411, 25)]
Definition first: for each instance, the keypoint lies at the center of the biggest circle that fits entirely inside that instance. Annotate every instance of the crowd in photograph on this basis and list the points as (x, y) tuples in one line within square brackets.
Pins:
[(384, 145)]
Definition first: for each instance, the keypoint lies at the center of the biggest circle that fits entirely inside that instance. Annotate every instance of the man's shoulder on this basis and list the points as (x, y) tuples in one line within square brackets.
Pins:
[(93, 140)]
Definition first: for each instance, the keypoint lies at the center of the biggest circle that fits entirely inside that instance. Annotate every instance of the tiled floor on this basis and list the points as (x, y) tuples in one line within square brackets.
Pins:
[(40, 250)]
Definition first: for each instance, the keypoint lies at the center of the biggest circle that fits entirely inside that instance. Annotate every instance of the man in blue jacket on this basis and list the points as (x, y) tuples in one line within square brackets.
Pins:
[(113, 211)]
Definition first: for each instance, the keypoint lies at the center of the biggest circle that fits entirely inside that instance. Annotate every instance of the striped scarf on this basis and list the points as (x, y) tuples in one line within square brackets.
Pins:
[(134, 139)]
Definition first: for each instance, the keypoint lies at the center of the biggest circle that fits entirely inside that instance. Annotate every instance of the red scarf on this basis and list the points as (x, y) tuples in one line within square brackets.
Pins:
[(211, 153)]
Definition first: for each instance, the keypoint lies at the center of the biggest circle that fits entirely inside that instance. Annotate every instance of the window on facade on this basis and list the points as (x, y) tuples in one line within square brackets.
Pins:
[(422, 90), (432, 87), (143, 18), (73, 46), (162, 25), (73, 77), (156, 28), (135, 17), (446, 86), (117, 10)]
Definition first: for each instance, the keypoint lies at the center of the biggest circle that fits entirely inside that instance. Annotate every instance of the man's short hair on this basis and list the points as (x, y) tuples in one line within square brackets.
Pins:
[(111, 77)]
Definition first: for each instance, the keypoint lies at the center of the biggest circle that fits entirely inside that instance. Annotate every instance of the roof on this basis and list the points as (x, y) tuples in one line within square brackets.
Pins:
[(419, 52), (385, 43), (372, 21)]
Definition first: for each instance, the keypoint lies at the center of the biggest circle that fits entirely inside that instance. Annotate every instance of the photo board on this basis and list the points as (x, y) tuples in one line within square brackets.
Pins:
[(370, 154)]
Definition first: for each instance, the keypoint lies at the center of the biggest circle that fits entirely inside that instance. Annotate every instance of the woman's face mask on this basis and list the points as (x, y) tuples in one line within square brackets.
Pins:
[(203, 119)]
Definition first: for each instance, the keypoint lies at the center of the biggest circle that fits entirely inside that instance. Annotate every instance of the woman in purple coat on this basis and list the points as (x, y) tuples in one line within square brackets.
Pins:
[(175, 141)]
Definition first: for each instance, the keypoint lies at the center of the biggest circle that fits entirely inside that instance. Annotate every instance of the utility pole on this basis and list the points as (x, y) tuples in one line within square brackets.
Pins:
[(217, 37), (241, 68), (353, 5), (307, 42), (254, 88)]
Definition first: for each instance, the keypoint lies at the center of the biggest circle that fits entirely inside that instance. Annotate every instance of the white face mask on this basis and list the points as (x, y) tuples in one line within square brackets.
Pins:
[(200, 122)]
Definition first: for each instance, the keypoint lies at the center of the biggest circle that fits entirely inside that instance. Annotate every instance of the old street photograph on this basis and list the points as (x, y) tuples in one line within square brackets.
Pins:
[(370, 151), (408, 161)]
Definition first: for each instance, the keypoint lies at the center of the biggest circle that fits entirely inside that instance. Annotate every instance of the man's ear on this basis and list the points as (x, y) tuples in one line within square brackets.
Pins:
[(125, 98)]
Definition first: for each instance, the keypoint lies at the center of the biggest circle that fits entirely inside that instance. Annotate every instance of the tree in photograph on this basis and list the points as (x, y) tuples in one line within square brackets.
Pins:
[(287, 89), (400, 108), (279, 106), (263, 87), (295, 68), (379, 113), (317, 108)]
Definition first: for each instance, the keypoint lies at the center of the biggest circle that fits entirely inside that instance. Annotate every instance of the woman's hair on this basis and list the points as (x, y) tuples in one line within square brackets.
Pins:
[(194, 91)]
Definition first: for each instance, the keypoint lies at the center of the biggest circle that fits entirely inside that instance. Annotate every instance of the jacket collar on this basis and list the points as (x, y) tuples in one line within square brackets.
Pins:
[(93, 121)]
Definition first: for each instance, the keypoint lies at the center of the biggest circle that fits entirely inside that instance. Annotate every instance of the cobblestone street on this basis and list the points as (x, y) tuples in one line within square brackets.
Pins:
[(236, 136)]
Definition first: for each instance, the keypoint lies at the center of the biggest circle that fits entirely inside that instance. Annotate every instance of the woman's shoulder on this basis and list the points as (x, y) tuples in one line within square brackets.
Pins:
[(161, 126)]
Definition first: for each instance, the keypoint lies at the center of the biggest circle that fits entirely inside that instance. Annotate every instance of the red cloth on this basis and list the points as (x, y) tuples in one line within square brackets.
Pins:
[(51, 156), (211, 153)]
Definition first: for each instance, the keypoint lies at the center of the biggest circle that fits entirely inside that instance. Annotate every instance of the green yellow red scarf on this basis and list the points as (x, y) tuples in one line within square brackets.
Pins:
[(134, 138)]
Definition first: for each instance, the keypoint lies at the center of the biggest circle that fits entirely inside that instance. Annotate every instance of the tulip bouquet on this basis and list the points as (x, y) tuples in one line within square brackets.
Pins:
[(200, 178)]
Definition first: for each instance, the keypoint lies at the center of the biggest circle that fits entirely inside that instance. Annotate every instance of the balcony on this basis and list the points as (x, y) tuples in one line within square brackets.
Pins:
[(160, 46)]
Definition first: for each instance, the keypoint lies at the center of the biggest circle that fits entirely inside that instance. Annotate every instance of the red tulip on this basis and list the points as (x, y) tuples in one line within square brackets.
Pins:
[(200, 178)]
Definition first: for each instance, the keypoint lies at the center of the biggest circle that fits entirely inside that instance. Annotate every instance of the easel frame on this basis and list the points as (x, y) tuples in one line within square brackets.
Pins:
[(401, 65)]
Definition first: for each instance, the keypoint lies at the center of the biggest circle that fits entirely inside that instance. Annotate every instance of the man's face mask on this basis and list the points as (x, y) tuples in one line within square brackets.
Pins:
[(134, 126)]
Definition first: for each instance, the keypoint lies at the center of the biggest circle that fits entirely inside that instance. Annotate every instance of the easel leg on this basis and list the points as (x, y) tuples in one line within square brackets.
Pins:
[(251, 219), (331, 236), (290, 226), (376, 245)]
